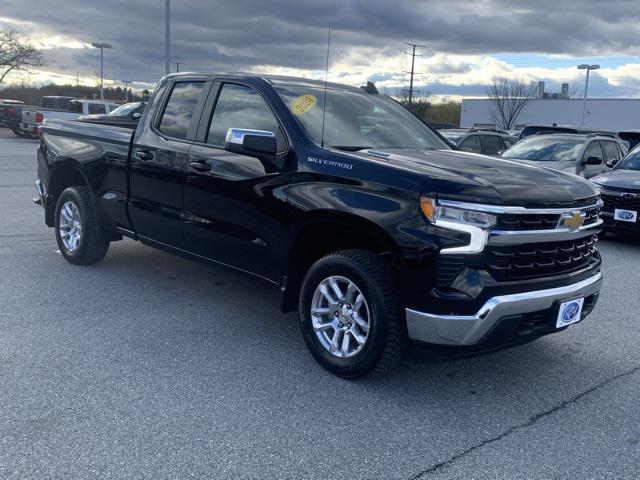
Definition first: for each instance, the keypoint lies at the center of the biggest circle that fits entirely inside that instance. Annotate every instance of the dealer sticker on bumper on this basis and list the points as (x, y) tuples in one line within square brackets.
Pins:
[(569, 312), (625, 215)]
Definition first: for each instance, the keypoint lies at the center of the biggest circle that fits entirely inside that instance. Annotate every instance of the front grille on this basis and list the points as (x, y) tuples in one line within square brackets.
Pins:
[(525, 221), (506, 263), (522, 262), (621, 201)]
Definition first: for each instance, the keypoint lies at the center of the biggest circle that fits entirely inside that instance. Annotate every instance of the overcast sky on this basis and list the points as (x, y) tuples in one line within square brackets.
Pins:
[(468, 42)]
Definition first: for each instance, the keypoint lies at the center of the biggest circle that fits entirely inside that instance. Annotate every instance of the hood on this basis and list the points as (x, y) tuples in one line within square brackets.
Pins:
[(620, 179), (482, 179)]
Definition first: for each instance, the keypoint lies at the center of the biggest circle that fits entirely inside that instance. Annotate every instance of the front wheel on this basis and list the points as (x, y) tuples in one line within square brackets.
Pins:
[(76, 229), (350, 317)]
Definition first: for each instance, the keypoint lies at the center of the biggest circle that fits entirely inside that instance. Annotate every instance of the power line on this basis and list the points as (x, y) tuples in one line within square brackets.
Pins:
[(413, 61)]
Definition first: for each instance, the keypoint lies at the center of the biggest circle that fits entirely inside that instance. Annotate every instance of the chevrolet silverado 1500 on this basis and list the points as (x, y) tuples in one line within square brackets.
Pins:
[(366, 221)]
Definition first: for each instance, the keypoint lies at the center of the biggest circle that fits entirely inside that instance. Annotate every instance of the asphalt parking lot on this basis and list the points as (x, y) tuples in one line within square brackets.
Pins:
[(149, 366)]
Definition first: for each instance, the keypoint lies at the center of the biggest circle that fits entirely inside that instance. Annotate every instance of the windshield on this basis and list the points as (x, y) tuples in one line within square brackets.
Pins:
[(631, 161), (125, 109), (355, 121), (545, 150)]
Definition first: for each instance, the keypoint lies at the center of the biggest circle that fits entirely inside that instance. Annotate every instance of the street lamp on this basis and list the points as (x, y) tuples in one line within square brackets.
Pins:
[(167, 37), (101, 46), (588, 68), (126, 90)]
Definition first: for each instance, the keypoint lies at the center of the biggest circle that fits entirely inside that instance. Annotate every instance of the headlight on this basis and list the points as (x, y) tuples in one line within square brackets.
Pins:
[(435, 212)]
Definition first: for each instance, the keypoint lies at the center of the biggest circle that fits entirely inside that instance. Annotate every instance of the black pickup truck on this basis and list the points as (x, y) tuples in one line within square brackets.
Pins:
[(366, 221)]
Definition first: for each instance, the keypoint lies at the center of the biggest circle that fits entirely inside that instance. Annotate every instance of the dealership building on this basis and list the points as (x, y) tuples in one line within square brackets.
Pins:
[(607, 113)]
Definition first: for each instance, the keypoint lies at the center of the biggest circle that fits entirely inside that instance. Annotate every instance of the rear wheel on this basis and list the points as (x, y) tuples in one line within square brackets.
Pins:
[(350, 318), (18, 133), (76, 229)]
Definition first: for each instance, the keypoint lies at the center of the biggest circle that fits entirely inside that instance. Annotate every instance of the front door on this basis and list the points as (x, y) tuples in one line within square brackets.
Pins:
[(594, 152), (159, 162), (233, 203)]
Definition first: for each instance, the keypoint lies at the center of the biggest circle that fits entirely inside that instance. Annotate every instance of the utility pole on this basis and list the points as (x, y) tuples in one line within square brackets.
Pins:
[(413, 62), (178, 63), (77, 79), (167, 37)]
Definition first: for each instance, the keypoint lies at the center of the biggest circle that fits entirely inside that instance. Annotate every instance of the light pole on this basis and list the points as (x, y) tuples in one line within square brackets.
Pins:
[(126, 90), (101, 46), (588, 68), (167, 37)]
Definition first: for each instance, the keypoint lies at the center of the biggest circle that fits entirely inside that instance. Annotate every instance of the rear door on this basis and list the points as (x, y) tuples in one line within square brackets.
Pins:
[(159, 159), (233, 203), (611, 153)]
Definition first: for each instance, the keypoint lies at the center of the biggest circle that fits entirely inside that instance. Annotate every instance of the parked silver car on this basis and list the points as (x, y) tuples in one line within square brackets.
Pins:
[(584, 155)]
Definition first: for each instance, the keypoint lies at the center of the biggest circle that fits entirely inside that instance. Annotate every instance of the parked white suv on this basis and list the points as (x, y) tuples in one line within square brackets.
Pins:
[(583, 155)]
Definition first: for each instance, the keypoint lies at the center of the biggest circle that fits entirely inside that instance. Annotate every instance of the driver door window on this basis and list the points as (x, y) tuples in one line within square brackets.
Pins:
[(241, 107), (593, 150), (471, 144)]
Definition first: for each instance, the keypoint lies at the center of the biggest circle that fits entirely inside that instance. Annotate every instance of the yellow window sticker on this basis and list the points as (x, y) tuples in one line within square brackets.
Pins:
[(303, 104)]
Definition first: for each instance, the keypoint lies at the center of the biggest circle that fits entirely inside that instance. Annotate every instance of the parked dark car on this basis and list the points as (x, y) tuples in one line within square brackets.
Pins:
[(583, 155), (487, 142), (620, 191), (632, 137), (440, 125), (126, 115), (571, 129), (363, 218)]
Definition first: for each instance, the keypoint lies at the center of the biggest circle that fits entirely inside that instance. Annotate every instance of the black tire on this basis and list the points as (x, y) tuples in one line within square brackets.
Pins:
[(90, 248), (602, 234), (18, 133), (387, 337)]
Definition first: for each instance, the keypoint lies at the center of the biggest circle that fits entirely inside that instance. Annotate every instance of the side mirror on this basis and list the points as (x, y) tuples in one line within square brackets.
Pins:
[(593, 161), (613, 163), (500, 152), (255, 143), (136, 115)]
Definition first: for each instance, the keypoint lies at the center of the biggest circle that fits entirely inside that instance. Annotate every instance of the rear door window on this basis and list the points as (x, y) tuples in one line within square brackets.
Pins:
[(178, 112), (97, 108), (611, 151), (75, 106), (491, 144), (471, 144)]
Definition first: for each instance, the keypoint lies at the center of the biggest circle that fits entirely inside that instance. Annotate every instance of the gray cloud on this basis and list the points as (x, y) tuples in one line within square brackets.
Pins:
[(224, 35)]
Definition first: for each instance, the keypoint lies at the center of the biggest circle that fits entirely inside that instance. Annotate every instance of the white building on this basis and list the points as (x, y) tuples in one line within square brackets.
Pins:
[(610, 114)]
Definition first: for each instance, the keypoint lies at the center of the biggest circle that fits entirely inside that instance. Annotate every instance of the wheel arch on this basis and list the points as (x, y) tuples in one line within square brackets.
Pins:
[(323, 232)]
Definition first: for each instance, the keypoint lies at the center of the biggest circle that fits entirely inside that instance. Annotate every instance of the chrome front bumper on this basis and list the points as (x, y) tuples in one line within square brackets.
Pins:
[(469, 330)]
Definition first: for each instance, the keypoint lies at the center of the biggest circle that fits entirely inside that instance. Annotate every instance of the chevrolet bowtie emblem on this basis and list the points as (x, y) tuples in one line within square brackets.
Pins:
[(572, 220)]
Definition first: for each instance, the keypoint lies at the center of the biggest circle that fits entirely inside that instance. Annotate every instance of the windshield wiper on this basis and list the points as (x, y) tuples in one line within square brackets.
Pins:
[(351, 148)]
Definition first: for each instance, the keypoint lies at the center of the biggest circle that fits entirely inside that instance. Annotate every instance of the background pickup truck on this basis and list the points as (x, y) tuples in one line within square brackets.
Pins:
[(32, 117), (365, 220)]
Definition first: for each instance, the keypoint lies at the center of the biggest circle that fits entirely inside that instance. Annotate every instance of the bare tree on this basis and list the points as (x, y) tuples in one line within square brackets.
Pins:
[(16, 55), (509, 98)]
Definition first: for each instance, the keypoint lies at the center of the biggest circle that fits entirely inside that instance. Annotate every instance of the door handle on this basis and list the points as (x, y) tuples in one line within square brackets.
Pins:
[(144, 155), (200, 165)]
